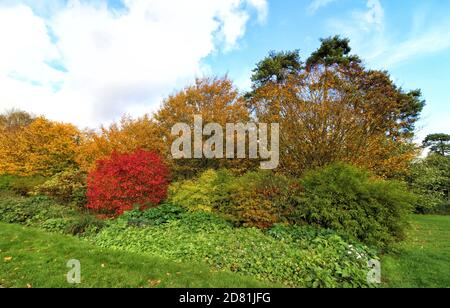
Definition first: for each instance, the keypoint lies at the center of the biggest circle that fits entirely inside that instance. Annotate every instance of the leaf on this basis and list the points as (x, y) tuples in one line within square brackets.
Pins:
[(154, 283)]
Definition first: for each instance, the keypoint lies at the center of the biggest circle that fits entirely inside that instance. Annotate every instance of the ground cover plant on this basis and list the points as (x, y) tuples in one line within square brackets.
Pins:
[(292, 256)]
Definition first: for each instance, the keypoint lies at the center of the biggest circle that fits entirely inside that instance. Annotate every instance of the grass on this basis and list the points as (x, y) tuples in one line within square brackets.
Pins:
[(32, 258), (423, 260)]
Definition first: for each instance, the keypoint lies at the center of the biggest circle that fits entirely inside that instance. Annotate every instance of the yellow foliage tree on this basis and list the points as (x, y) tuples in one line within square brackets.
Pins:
[(43, 147)]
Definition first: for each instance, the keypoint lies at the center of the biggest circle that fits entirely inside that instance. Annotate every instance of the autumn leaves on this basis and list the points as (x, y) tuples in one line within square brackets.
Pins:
[(331, 109)]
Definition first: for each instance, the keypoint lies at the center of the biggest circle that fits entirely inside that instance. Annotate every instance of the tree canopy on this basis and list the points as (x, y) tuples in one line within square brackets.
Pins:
[(333, 50), (277, 67), (438, 143)]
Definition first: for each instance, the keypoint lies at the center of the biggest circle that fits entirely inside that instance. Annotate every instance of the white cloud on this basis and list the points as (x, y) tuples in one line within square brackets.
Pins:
[(315, 5), (429, 42), (376, 43), (113, 61), (262, 7), (373, 17)]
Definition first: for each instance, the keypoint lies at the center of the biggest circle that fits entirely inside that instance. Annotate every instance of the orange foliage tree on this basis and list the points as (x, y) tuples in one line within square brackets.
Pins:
[(338, 113), (40, 147), (125, 137), (217, 101)]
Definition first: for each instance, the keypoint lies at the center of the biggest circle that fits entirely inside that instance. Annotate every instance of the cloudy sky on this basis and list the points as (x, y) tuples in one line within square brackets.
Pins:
[(89, 62)]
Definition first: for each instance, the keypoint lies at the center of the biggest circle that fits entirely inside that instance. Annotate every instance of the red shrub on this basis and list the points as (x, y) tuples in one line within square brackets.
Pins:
[(124, 181)]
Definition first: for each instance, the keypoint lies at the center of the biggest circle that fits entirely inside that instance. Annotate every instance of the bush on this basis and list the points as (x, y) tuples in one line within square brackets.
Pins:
[(84, 225), (22, 186), (322, 260), (429, 179), (260, 199), (346, 199), (30, 211), (66, 187), (45, 213), (256, 199), (206, 193), (125, 180), (5, 182), (443, 209), (155, 216), (55, 225)]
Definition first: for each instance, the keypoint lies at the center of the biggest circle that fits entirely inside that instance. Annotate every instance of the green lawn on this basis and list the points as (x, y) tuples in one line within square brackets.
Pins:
[(423, 261), (32, 258)]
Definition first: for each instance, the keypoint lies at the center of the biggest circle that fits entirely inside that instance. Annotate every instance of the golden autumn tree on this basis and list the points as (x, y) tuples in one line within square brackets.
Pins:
[(124, 137), (334, 109), (217, 101), (41, 147)]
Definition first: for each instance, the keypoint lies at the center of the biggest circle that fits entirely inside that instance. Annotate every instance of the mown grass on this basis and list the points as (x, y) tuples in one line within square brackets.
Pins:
[(32, 258), (423, 260)]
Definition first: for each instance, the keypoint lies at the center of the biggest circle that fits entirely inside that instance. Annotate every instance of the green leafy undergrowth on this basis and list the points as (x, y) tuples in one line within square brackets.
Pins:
[(282, 255)]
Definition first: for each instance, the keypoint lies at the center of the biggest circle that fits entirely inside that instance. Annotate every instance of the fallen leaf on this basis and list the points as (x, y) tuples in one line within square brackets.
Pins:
[(154, 283), (7, 259), (29, 286)]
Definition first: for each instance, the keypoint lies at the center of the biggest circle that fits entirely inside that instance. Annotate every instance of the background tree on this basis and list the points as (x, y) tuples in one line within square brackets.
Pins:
[(429, 178), (341, 112), (277, 67), (438, 143), (126, 136), (333, 50), (41, 148), (217, 101), (14, 119)]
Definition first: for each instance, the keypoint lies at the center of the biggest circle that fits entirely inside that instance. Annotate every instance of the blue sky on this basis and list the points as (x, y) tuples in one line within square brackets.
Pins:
[(89, 63), (388, 45)]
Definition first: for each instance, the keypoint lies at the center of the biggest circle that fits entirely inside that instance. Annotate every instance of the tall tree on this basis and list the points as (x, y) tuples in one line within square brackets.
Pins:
[(217, 101), (335, 109), (333, 50), (277, 67), (438, 143)]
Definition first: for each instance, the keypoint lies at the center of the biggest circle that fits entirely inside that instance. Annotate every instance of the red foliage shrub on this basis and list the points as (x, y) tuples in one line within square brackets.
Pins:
[(124, 181)]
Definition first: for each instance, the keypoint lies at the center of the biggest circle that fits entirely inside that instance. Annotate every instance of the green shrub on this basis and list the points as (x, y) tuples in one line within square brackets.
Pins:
[(5, 182), (45, 213), (55, 225), (429, 179), (154, 216), (206, 193), (325, 260), (24, 186), (66, 187), (84, 225), (346, 199), (30, 211), (443, 209), (256, 199)]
